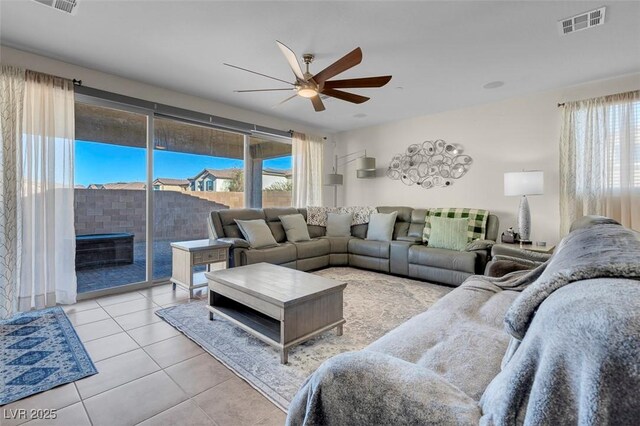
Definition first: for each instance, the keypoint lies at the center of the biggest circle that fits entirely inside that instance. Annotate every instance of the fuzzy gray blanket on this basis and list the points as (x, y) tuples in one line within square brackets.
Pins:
[(586, 253), (575, 357)]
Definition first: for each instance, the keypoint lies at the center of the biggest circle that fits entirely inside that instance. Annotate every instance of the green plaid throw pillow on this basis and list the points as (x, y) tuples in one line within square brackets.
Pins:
[(477, 228)]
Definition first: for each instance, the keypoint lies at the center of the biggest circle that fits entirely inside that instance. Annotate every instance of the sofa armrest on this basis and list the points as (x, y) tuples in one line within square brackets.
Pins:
[(367, 387), (480, 245), (503, 252), (235, 242)]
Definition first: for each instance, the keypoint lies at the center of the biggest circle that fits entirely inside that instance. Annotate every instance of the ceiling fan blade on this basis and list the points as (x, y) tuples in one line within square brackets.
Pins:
[(293, 61), (345, 96), (286, 100), (317, 103), (358, 82), (254, 72), (261, 90), (349, 60)]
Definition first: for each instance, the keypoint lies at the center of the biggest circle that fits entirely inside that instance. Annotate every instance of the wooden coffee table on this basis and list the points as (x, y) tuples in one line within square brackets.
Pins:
[(280, 306)]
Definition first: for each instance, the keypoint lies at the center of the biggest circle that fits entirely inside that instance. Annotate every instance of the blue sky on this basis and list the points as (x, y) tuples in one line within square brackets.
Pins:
[(105, 163)]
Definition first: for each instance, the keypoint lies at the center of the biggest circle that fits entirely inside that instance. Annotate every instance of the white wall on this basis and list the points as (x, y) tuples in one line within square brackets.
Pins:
[(136, 89), (511, 135)]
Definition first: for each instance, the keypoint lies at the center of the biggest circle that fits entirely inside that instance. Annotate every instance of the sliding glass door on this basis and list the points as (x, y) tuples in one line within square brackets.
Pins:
[(110, 196), (144, 181), (196, 169)]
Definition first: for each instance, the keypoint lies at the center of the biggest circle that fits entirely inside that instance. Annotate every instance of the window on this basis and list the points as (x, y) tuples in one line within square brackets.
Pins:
[(625, 157), (600, 159), (209, 185)]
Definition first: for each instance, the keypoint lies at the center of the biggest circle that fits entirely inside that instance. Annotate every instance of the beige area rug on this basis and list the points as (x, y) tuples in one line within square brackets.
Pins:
[(374, 304)]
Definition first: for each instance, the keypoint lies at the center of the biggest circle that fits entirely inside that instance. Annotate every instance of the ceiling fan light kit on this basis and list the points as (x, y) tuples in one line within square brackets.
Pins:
[(312, 86)]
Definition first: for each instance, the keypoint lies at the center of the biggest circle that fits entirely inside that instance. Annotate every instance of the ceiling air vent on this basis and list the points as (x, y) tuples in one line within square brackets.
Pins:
[(67, 6), (582, 21)]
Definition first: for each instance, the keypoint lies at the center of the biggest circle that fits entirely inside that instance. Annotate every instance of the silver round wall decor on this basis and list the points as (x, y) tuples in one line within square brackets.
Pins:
[(431, 164)]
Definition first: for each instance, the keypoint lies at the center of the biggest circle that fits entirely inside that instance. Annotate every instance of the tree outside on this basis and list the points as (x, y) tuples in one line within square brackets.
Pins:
[(236, 184), (280, 186)]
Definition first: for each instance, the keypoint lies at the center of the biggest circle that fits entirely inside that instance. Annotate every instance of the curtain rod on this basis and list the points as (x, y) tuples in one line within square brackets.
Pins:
[(180, 113), (291, 131), (607, 97)]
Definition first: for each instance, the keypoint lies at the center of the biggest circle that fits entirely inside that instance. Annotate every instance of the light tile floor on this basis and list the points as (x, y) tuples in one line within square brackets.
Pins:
[(149, 373)]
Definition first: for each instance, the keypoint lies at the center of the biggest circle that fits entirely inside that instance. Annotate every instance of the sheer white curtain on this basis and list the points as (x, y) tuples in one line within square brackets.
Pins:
[(48, 238), (11, 100), (600, 159), (308, 159)]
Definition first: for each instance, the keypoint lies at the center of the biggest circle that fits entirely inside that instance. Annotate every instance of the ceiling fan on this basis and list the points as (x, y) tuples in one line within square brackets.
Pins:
[(312, 86)]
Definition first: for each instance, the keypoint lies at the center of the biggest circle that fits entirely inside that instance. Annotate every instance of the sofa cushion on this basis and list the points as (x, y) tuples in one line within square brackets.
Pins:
[(418, 217), (315, 231), (313, 248), (441, 258), (381, 226), (339, 225), (295, 227), (272, 217), (339, 244), (257, 233), (461, 337), (379, 249), (284, 253), (360, 231), (403, 219), (228, 217), (448, 233)]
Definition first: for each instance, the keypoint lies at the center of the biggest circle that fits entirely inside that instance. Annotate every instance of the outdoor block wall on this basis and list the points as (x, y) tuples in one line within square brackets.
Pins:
[(177, 215), (235, 200)]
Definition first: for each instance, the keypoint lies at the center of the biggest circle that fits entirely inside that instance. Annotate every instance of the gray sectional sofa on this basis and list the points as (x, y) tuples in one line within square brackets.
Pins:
[(405, 255), (556, 345)]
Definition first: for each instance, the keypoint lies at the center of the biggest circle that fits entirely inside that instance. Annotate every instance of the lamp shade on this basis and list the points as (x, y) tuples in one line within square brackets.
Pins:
[(366, 163), (365, 174), (333, 179), (524, 183)]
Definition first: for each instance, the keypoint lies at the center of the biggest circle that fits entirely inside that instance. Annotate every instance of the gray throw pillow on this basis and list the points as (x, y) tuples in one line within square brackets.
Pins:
[(339, 225), (257, 233), (381, 226), (448, 233), (295, 227)]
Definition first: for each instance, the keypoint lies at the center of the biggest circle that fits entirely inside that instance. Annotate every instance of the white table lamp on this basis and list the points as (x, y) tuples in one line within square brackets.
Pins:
[(524, 183)]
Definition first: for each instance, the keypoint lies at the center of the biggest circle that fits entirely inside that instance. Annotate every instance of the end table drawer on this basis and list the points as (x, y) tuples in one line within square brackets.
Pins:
[(208, 256)]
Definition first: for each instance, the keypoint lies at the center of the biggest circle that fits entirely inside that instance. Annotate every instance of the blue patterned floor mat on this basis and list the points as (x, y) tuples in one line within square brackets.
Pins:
[(39, 350)]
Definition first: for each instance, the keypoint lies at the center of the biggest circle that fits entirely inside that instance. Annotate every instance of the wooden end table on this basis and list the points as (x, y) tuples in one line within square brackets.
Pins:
[(282, 307), (187, 254)]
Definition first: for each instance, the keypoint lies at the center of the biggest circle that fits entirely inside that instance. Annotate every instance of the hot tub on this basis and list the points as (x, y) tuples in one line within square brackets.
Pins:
[(98, 250)]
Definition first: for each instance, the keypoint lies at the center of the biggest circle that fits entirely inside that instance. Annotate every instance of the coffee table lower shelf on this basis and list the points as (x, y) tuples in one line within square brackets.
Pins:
[(262, 326)]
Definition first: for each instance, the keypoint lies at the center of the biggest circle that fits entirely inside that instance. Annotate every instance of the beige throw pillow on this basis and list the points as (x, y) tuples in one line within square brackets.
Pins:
[(257, 233), (295, 227), (381, 226)]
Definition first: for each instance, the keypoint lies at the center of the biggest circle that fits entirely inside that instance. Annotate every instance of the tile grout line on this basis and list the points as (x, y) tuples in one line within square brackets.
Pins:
[(189, 398), (84, 407), (163, 369)]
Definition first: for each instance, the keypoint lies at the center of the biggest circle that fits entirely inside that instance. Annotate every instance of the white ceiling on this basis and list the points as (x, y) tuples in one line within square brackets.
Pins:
[(439, 53)]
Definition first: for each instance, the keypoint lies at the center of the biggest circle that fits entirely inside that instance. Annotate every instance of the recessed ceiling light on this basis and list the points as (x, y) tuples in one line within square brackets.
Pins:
[(493, 85), (361, 115)]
